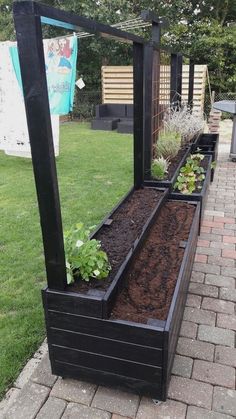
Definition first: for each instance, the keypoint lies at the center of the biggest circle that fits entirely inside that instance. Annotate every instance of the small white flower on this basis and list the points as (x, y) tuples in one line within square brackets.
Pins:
[(79, 243), (96, 272)]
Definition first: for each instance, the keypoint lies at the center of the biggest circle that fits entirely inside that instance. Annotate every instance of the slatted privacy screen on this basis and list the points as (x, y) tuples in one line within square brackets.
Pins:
[(117, 84)]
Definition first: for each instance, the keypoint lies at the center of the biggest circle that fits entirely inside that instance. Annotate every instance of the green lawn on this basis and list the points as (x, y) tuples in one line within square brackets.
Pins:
[(95, 170)]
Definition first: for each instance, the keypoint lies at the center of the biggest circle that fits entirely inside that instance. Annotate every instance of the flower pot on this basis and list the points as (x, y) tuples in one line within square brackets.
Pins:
[(137, 355)]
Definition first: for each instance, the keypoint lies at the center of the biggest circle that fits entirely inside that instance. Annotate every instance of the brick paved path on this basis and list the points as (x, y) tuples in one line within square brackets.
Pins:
[(203, 381)]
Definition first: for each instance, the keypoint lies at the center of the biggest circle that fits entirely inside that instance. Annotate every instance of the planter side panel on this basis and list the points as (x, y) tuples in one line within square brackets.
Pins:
[(179, 299), (104, 351)]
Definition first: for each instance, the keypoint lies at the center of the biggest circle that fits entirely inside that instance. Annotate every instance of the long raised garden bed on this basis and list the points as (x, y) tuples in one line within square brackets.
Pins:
[(198, 195), (208, 144), (135, 347), (120, 233)]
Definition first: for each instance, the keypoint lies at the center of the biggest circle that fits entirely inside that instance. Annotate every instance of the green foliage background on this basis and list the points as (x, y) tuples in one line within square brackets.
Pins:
[(197, 27)]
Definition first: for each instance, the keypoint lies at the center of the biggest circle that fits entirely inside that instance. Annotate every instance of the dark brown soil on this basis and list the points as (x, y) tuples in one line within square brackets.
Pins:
[(174, 163), (118, 238), (152, 277)]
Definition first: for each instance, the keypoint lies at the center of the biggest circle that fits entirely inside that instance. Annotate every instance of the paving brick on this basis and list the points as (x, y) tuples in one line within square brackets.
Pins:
[(220, 306), (228, 294), (26, 373), (228, 272), (224, 401), (211, 237), (182, 366), (228, 253), (116, 401), (205, 229), (229, 239), (221, 245), (197, 277), (78, 411), (168, 410), (193, 300), (222, 232), (215, 214), (114, 416), (53, 409), (213, 373), (196, 315), (226, 220), (29, 402), (230, 226), (226, 321), (215, 224), (200, 258), (216, 260), (204, 290), (42, 350), (191, 392), (74, 391), (42, 374), (195, 349), (216, 335), (220, 281), (199, 413), (208, 251), (206, 268), (188, 329), (203, 243), (8, 400), (225, 356)]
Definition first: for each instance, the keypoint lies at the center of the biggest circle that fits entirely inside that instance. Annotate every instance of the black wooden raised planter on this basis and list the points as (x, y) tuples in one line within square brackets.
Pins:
[(136, 356), (208, 145), (200, 196), (168, 183), (95, 302)]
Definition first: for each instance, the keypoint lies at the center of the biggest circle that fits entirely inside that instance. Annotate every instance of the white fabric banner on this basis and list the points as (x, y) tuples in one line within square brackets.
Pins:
[(14, 137)]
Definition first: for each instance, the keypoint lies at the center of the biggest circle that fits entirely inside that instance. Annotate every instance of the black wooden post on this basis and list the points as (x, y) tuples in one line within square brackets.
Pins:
[(138, 59), (31, 55), (148, 87), (191, 83)]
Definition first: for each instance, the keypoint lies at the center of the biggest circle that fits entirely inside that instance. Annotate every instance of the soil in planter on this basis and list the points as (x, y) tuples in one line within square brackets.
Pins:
[(118, 238), (152, 277)]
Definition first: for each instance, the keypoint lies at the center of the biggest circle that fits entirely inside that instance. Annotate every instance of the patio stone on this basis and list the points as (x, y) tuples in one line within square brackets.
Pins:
[(204, 290), (42, 374), (193, 300), (79, 411), (74, 391), (224, 401), (116, 401), (188, 329), (225, 356), (182, 366), (8, 400), (197, 277), (29, 402), (226, 321), (219, 306), (191, 392), (199, 413), (216, 335), (220, 281), (169, 409), (199, 316), (26, 373), (228, 294), (215, 374), (52, 409), (195, 349)]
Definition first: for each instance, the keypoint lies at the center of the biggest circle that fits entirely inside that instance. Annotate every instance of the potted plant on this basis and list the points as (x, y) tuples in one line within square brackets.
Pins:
[(208, 144)]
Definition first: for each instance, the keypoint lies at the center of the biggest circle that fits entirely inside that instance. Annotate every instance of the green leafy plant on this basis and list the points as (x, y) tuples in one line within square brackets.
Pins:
[(159, 168), (84, 257), (190, 174), (168, 145)]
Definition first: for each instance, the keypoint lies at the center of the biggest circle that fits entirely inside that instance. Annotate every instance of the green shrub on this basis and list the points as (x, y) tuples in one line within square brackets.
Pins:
[(168, 145), (159, 168)]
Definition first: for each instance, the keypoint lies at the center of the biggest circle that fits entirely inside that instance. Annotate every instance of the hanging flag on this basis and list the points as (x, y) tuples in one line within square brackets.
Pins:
[(60, 61)]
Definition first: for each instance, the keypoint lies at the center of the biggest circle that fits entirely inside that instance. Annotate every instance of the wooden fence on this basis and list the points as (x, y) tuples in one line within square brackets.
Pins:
[(117, 85)]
